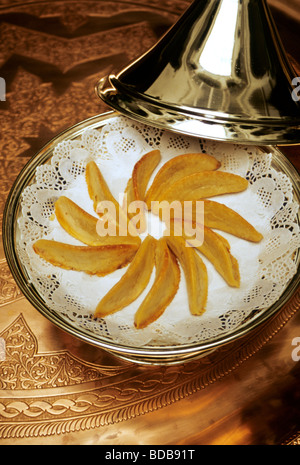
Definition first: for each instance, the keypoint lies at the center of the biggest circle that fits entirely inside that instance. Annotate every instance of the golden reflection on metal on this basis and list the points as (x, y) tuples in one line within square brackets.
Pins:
[(54, 393), (220, 72), (55, 389)]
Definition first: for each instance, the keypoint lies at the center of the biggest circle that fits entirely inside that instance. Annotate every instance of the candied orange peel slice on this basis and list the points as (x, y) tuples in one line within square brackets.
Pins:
[(195, 273), (142, 172), (97, 186), (83, 226), (177, 168), (223, 218), (101, 196), (98, 261), (164, 288), (215, 248), (137, 185), (204, 184), (132, 283), (218, 216)]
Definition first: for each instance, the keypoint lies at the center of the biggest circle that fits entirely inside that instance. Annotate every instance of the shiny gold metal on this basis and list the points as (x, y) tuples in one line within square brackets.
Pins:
[(220, 72), (162, 355), (55, 388)]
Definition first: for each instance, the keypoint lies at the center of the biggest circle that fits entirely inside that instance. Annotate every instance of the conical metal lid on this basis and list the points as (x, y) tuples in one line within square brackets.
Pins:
[(220, 72)]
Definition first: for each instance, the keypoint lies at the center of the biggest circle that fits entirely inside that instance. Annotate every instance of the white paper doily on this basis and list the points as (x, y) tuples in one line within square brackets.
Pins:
[(265, 268)]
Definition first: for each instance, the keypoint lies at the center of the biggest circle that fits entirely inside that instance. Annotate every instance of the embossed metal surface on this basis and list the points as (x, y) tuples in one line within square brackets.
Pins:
[(55, 389)]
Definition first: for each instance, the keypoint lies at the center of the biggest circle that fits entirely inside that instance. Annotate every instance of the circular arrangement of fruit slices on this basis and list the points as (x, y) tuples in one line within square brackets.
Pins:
[(192, 177)]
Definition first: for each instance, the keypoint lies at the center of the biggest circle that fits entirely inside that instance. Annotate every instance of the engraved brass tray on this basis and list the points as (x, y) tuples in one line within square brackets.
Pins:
[(146, 355)]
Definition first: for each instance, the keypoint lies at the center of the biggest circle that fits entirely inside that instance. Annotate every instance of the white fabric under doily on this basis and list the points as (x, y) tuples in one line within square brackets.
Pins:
[(265, 268)]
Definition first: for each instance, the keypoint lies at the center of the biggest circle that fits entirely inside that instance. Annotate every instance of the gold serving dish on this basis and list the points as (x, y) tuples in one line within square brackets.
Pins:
[(149, 354)]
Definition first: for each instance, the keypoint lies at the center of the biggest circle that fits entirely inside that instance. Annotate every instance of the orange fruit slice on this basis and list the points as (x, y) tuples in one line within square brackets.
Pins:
[(219, 216), (98, 261), (195, 273), (164, 288), (204, 184), (177, 168), (83, 226), (132, 283)]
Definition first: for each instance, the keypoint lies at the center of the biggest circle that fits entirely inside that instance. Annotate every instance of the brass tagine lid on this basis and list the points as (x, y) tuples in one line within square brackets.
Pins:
[(220, 72)]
